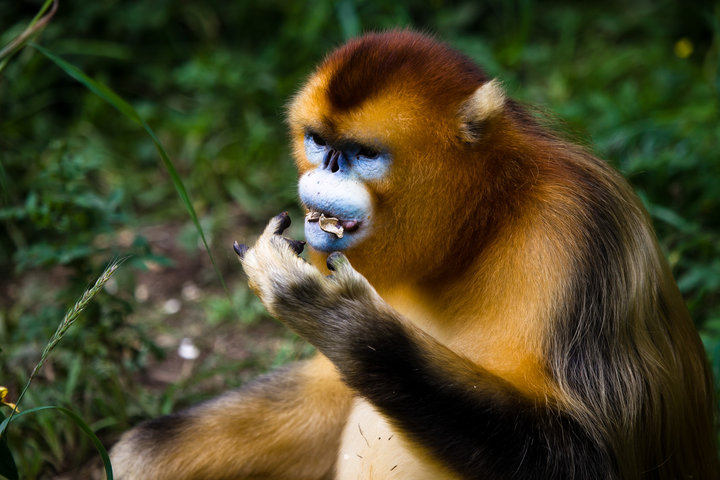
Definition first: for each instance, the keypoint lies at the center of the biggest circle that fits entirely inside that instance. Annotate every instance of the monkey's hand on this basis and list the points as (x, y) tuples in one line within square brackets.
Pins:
[(322, 309), (452, 406)]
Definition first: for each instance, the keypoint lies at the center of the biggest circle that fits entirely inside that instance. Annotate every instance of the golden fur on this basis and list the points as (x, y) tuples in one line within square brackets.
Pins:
[(509, 277)]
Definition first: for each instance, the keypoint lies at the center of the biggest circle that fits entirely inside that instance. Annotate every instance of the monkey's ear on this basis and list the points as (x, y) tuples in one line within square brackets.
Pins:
[(484, 104)]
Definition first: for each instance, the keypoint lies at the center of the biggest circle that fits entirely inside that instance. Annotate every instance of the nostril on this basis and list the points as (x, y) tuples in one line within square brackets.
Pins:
[(333, 161), (328, 159)]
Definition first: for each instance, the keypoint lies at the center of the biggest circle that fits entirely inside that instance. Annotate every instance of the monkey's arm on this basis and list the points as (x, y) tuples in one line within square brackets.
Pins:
[(283, 425), (466, 416)]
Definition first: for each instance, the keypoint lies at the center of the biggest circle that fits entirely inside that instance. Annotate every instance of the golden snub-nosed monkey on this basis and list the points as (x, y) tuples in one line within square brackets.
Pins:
[(496, 304)]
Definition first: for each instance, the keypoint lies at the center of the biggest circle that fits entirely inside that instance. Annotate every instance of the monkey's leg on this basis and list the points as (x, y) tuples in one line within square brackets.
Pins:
[(283, 425), (471, 420)]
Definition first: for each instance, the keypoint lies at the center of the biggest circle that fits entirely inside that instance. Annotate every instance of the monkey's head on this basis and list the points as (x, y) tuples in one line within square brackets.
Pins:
[(389, 136)]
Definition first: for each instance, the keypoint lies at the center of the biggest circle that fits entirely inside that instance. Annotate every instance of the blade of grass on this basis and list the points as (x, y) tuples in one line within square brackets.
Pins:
[(128, 111), (35, 26), (80, 423), (8, 468), (4, 189)]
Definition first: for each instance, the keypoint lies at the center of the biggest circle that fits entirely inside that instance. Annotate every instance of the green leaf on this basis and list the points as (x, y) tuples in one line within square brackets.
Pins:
[(78, 421), (128, 111), (672, 218), (7, 462), (97, 88)]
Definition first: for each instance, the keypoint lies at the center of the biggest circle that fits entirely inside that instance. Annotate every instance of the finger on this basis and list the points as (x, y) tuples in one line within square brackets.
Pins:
[(297, 245), (240, 249), (336, 261), (283, 222), (277, 225)]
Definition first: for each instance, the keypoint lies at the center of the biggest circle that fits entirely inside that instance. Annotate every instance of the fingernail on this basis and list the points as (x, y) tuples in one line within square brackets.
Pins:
[(297, 245), (332, 259), (240, 249), (284, 219)]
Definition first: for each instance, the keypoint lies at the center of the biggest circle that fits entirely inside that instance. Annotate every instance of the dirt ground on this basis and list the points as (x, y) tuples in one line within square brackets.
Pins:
[(178, 303)]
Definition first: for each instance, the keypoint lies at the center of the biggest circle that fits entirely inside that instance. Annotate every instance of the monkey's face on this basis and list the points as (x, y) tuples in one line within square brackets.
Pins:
[(372, 185), (358, 181), (334, 190), (385, 175)]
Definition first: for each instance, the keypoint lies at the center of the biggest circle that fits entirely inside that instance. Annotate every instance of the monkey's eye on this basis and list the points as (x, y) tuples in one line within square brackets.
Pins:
[(368, 153), (317, 139)]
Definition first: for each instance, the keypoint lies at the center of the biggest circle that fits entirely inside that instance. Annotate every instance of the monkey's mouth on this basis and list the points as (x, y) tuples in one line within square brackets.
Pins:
[(330, 224)]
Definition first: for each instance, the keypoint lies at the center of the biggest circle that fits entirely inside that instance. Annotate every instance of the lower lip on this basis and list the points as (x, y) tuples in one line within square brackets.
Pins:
[(348, 226), (323, 241)]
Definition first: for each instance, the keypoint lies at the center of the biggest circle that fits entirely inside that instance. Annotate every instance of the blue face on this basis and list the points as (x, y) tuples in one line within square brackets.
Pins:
[(336, 188), (356, 160)]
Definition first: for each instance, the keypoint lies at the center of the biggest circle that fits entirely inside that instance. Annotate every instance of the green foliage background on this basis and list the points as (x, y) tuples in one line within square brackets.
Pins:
[(79, 183)]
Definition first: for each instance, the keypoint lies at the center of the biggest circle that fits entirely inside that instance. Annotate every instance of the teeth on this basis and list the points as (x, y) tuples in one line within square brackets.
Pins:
[(330, 225), (313, 216)]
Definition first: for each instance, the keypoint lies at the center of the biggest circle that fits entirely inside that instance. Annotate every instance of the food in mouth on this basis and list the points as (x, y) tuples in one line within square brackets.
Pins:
[(331, 224)]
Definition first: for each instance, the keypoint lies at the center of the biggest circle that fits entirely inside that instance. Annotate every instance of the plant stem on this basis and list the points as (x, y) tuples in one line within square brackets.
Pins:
[(66, 323), (37, 24)]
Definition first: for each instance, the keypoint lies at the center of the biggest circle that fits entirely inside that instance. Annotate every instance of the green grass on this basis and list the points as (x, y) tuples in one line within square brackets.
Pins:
[(8, 466)]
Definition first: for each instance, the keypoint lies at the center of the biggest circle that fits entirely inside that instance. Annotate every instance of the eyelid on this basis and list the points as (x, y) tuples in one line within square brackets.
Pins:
[(368, 152), (316, 138)]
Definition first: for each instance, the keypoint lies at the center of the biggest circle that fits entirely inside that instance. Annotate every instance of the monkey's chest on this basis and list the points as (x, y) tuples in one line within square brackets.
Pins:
[(372, 449)]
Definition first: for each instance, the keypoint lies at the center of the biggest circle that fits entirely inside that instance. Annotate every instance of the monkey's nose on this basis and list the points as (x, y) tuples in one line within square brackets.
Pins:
[(332, 160)]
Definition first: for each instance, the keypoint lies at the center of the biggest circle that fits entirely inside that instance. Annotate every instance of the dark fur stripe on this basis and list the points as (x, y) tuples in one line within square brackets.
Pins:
[(275, 387), (477, 424), (151, 434), (615, 357), (369, 64)]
